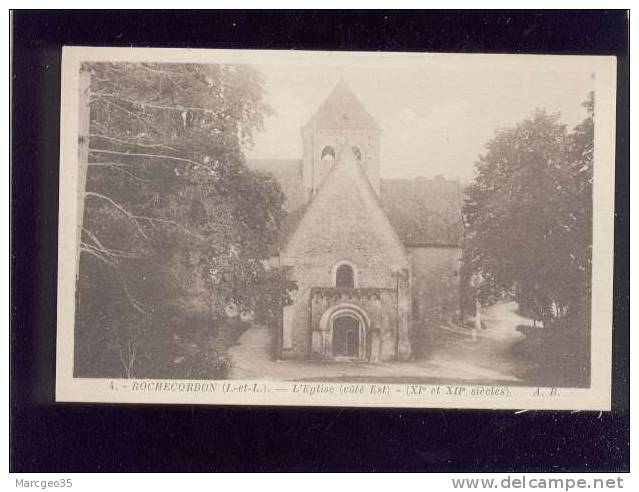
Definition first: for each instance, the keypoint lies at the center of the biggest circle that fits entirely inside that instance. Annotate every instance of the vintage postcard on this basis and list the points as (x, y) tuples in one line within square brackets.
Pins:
[(336, 229)]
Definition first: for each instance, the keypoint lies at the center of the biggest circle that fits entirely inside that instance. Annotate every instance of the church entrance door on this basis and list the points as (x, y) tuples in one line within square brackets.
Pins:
[(346, 336)]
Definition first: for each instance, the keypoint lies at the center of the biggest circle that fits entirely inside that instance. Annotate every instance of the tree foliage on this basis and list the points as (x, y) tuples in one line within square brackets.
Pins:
[(175, 224), (528, 216)]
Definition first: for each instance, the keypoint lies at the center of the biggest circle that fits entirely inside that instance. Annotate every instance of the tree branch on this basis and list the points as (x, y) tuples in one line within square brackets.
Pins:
[(86, 248), (107, 251), (157, 106), (172, 222), (153, 70), (107, 164), (119, 167), (130, 113), (136, 154), (120, 208), (114, 269), (137, 218), (131, 142)]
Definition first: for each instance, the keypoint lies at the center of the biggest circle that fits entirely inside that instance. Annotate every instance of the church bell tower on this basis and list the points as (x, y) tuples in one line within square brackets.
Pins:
[(341, 122)]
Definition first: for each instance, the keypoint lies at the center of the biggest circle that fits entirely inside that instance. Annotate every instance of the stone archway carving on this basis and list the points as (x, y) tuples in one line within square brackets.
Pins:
[(326, 324)]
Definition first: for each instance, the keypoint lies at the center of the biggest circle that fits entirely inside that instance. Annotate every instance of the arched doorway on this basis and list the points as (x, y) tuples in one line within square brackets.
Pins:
[(346, 336), (343, 333)]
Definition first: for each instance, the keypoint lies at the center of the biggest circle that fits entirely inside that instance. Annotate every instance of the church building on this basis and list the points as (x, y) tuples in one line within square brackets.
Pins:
[(374, 259)]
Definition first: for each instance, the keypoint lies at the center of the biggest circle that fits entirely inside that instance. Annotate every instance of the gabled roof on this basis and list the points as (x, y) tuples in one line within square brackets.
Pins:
[(346, 205), (288, 173), (342, 110), (424, 212)]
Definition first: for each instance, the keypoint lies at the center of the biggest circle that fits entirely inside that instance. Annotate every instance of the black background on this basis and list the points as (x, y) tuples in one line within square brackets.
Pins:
[(46, 436)]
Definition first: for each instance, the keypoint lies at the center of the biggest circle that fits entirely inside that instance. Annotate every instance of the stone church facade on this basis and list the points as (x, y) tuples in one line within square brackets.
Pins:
[(372, 258)]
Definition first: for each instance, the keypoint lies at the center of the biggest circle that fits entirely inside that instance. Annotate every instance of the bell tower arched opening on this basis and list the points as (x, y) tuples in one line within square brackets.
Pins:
[(328, 152), (340, 121)]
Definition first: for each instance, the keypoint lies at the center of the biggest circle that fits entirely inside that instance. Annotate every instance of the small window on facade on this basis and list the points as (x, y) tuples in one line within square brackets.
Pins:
[(358, 154), (344, 277)]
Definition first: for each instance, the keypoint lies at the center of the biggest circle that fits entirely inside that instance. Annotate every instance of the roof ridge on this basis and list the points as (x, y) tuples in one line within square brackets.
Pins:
[(340, 163)]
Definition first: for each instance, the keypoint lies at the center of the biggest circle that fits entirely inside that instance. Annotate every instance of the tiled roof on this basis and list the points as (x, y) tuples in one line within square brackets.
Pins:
[(288, 173), (342, 110), (424, 212)]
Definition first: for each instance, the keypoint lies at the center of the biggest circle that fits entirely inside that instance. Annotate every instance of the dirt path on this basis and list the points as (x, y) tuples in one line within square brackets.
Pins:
[(489, 350), (502, 320), (450, 356)]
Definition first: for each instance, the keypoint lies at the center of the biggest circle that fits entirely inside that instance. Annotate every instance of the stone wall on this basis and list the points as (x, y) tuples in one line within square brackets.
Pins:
[(344, 222), (385, 322), (314, 141), (304, 313), (435, 283)]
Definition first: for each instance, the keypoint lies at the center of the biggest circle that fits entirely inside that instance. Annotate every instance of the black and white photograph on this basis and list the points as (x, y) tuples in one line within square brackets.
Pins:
[(333, 247), (336, 228)]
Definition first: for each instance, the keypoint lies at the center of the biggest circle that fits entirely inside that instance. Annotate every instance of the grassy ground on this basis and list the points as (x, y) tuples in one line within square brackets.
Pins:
[(230, 331), (197, 346), (561, 356)]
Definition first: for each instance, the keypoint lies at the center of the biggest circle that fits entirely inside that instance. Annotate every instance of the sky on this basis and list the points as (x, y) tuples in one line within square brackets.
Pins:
[(435, 121)]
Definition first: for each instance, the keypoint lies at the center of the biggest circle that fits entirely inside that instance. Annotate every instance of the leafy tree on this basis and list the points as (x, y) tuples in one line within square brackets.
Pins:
[(528, 216), (580, 164), (176, 228)]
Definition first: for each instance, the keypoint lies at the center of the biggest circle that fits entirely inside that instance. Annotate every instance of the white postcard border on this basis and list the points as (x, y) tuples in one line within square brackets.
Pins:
[(234, 392)]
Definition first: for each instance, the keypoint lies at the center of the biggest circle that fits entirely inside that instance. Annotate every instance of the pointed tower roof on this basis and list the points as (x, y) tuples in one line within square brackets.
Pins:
[(342, 110)]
